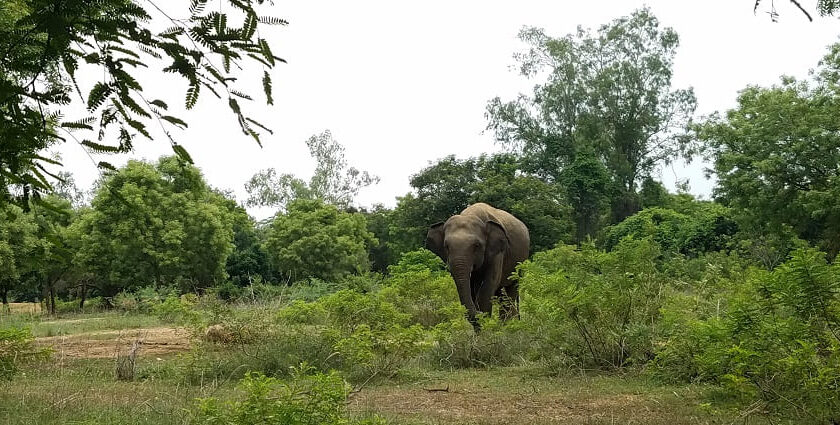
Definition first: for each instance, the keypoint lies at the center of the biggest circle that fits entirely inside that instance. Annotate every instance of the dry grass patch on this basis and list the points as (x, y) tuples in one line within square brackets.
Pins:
[(157, 341)]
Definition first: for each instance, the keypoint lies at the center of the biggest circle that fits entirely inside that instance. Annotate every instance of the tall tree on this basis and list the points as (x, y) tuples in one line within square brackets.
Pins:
[(607, 92), (18, 245), (776, 154), (334, 180), (44, 43), (448, 186), (313, 239), (155, 225)]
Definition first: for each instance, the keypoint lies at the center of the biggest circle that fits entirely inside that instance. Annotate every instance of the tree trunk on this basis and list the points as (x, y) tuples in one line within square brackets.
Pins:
[(52, 300), (82, 295)]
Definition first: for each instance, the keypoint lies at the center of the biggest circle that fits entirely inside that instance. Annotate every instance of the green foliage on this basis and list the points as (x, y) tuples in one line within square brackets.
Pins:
[(17, 347), (176, 310), (775, 338), (420, 286), (450, 185), (155, 225), (18, 245), (313, 239), (775, 154), (707, 227), (598, 309), (45, 45), (607, 92), (306, 399)]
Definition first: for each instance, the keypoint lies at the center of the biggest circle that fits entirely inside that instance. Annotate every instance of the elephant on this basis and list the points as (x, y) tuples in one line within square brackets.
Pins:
[(481, 247)]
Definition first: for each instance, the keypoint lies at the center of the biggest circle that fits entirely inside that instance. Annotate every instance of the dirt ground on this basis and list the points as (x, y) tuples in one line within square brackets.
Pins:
[(104, 344), (465, 406)]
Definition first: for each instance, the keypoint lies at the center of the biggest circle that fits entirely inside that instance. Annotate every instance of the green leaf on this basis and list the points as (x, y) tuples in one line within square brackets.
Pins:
[(98, 94), (192, 95), (182, 153), (177, 121), (267, 88)]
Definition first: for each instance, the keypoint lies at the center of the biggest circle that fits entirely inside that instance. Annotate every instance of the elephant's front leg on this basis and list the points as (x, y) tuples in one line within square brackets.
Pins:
[(492, 278)]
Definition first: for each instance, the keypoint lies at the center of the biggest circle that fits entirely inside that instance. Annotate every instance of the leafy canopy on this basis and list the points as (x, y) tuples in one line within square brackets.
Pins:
[(155, 224), (313, 239), (606, 93), (45, 45), (776, 154)]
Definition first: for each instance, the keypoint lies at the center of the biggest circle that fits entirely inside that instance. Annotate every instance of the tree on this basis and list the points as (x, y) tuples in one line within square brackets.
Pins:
[(448, 186), (18, 243), (334, 181), (587, 186), (776, 154), (248, 258), (52, 259), (44, 44), (607, 92), (314, 239), (155, 225)]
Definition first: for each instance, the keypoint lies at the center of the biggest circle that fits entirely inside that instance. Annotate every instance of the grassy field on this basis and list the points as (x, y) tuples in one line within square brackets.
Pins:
[(77, 385)]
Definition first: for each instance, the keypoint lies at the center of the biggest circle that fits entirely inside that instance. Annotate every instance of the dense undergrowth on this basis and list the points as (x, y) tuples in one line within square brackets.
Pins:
[(765, 338)]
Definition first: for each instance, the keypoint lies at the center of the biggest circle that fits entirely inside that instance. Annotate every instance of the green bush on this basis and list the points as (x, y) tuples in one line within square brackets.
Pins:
[(367, 352), (306, 399), (17, 347), (596, 309), (177, 310), (91, 305), (456, 345), (775, 339), (700, 227)]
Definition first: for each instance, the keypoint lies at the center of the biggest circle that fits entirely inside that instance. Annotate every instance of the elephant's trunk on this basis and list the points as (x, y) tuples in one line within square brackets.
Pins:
[(461, 272)]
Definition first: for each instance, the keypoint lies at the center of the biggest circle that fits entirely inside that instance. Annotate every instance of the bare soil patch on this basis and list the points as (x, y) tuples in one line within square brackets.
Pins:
[(484, 406), (106, 344)]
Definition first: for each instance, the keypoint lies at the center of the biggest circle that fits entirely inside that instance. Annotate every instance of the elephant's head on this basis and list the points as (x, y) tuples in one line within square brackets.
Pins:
[(466, 244)]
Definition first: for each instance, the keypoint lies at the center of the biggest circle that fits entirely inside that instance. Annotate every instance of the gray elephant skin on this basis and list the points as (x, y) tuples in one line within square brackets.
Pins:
[(481, 246)]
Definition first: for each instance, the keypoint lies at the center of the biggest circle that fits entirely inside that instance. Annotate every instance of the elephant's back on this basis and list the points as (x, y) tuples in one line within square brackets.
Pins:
[(515, 228)]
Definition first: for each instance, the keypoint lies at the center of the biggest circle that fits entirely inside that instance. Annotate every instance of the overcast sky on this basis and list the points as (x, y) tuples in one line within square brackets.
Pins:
[(400, 84)]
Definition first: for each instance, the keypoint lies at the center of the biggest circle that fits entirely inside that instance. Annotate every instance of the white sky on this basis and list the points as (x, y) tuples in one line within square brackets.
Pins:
[(404, 83)]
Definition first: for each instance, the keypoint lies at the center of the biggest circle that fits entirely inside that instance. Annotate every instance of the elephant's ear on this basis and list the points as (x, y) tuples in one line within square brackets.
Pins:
[(497, 239), (434, 240)]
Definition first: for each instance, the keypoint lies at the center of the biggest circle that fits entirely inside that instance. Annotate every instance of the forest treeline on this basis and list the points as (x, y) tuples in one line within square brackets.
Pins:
[(740, 290)]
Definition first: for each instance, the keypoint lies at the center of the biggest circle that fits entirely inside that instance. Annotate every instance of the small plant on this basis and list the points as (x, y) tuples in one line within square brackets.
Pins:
[(17, 347), (306, 399)]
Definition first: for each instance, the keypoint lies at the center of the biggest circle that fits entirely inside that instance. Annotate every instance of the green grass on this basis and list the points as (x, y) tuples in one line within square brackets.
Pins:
[(71, 324), (84, 391)]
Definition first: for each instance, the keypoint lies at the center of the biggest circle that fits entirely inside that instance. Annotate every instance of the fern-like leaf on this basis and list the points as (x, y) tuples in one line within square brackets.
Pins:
[(267, 88), (174, 120), (100, 148), (192, 95), (182, 153), (98, 94), (266, 51)]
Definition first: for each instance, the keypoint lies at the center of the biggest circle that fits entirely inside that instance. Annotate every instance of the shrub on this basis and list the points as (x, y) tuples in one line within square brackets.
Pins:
[(776, 340), (599, 309), (307, 399), (313, 239), (17, 347), (177, 310), (701, 227), (366, 352), (456, 345)]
